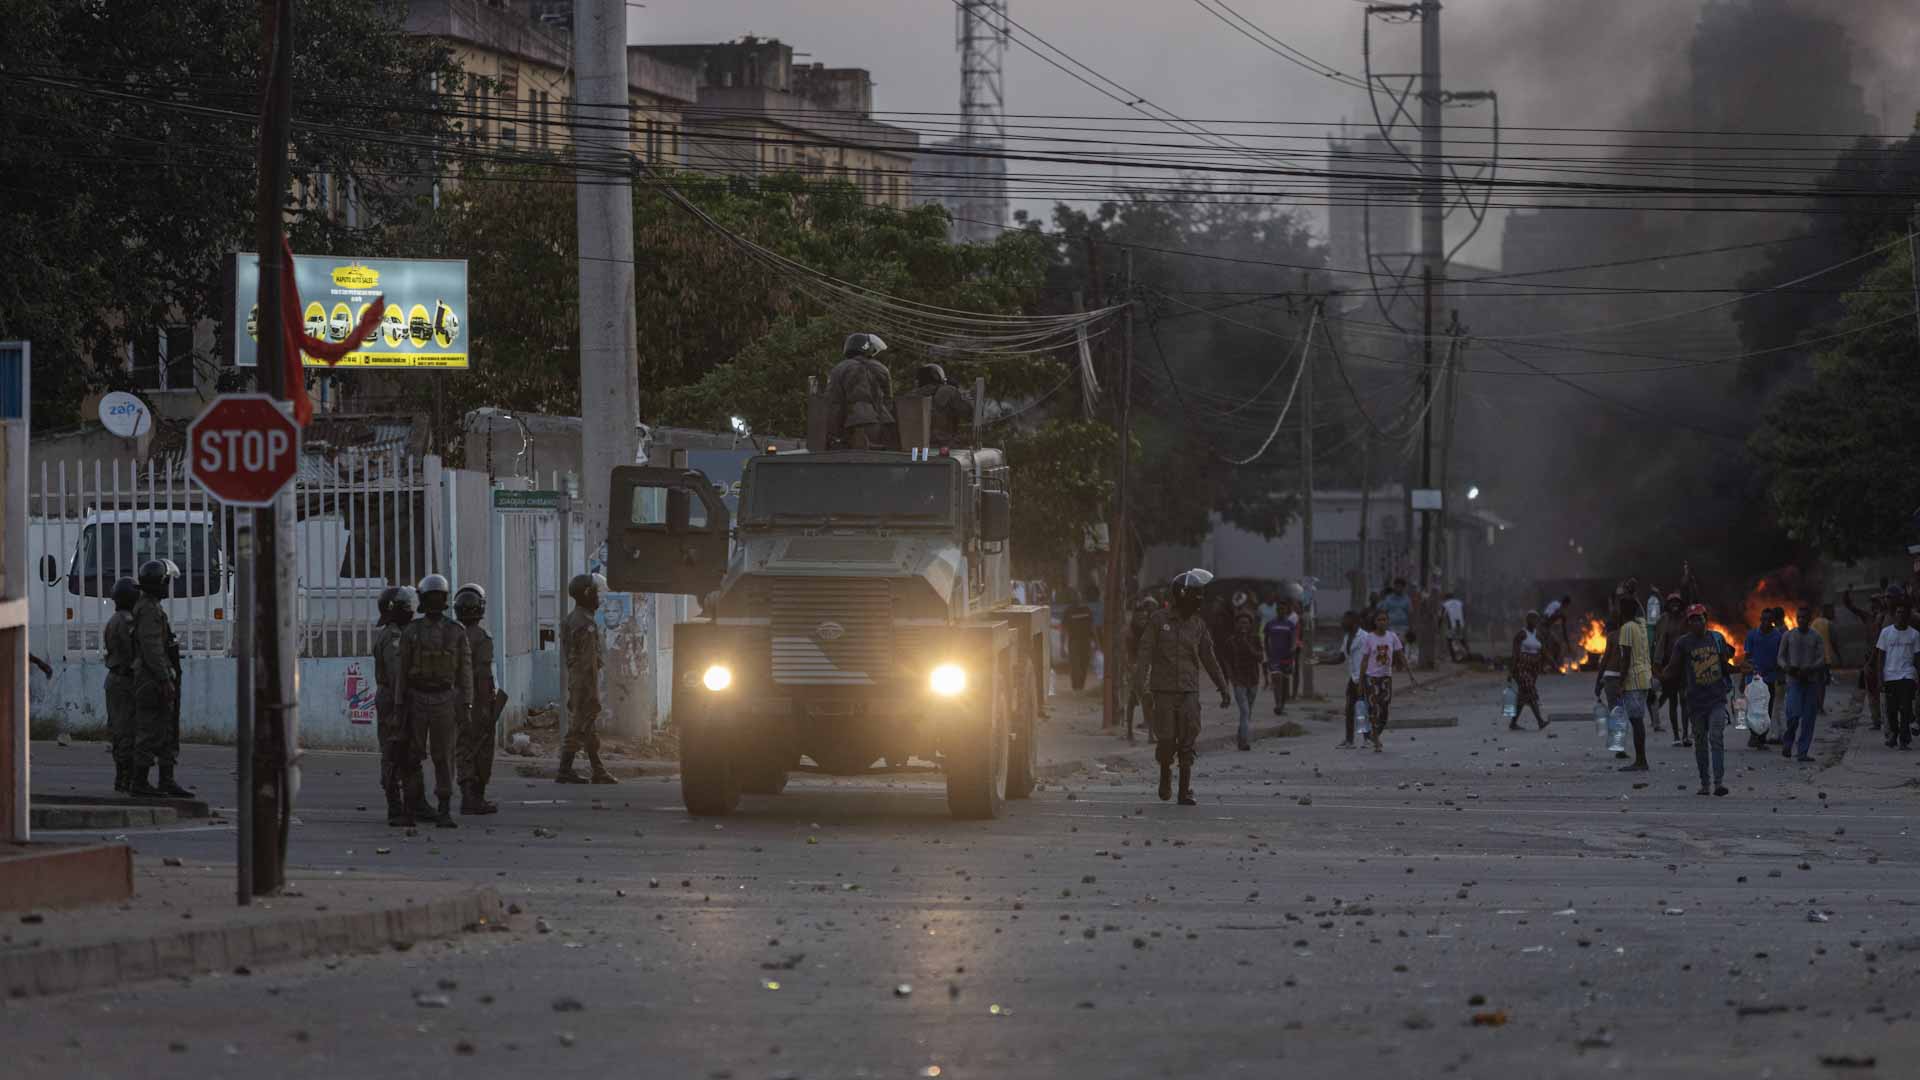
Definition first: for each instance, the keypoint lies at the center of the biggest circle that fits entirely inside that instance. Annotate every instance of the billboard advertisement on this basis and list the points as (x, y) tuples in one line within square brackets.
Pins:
[(424, 324)]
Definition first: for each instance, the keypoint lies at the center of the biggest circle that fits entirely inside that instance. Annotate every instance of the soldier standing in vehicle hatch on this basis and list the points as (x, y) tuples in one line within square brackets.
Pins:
[(1173, 650), (584, 649), (436, 677), (121, 661), (860, 395), (951, 409)]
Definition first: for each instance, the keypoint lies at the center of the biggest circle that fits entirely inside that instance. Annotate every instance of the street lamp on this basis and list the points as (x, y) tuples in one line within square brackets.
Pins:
[(1473, 493)]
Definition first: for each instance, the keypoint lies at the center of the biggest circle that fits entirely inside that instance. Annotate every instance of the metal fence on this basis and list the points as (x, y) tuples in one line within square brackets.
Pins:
[(366, 519)]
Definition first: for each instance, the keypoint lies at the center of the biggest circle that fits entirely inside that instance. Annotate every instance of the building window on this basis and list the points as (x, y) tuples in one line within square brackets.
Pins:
[(480, 123), (162, 360)]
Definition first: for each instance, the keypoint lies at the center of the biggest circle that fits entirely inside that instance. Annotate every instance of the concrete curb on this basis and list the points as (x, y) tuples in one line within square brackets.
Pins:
[(186, 808), (100, 816), (61, 970)]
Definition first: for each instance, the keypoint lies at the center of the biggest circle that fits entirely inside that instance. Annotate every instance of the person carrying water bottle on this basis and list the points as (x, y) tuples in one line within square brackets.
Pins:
[(1353, 647), (1529, 654), (1635, 662)]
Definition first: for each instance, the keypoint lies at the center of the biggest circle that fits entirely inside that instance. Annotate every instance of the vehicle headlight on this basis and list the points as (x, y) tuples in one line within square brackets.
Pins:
[(949, 680), (717, 677)]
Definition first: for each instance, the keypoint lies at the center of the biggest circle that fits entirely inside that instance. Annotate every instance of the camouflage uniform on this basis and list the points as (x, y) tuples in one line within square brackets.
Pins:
[(155, 686), (584, 651), (1172, 652), (122, 663), (476, 735), (860, 391), (435, 679), (393, 735)]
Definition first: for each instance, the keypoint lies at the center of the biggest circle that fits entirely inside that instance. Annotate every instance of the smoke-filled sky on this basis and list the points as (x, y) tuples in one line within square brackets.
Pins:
[(1553, 62), (1569, 466)]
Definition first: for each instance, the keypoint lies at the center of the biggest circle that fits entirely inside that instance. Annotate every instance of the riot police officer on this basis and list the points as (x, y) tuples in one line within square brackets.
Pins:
[(121, 662), (584, 648), (950, 410), (396, 612), (1175, 646), (435, 679), (860, 395), (484, 704), (156, 686)]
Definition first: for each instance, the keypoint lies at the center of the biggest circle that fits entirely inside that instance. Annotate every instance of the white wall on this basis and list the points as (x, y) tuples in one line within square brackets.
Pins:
[(336, 696)]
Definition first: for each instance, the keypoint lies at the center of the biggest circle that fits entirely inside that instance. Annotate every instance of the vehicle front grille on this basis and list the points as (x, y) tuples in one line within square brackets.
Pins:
[(831, 631)]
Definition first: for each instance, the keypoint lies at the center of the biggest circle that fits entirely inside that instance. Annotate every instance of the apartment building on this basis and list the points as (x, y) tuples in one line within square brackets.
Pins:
[(757, 112), (522, 54)]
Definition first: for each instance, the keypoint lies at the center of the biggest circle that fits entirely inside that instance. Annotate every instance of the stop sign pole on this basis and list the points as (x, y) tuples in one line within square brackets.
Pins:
[(244, 450)]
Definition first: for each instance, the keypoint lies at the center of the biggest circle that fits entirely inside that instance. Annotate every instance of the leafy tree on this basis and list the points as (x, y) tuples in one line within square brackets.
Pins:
[(1061, 489), (1838, 452), (1194, 376), (1868, 195), (721, 334), (128, 131)]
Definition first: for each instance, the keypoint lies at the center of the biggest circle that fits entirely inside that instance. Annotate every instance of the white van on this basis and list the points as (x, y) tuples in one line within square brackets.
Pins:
[(106, 545)]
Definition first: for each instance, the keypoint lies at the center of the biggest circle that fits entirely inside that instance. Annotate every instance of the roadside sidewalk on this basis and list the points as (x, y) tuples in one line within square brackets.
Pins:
[(182, 921), (1860, 759)]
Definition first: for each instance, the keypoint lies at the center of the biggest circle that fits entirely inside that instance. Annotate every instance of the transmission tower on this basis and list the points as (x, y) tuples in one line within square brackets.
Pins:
[(981, 204)]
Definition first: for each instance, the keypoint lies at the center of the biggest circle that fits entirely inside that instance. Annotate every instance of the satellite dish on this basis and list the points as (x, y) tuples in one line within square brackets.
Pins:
[(125, 415)]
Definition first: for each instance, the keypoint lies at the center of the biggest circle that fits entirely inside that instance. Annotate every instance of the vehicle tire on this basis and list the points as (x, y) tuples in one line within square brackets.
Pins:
[(709, 781), (765, 772), (1023, 755), (976, 764)]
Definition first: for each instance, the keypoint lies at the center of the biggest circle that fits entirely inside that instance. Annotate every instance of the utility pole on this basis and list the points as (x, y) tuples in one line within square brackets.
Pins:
[(1432, 245), (1305, 644), (1113, 703), (1913, 256), (1450, 372), (1362, 583), (609, 338), (275, 705)]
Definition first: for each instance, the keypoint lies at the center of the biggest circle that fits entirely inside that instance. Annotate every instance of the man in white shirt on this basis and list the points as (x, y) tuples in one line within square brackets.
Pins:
[(1353, 649), (1456, 628), (1380, 653), (1893, 656)]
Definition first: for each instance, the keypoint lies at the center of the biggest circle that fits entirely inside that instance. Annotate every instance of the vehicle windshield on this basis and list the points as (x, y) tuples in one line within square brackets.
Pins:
[(111, 551), (852, 491)]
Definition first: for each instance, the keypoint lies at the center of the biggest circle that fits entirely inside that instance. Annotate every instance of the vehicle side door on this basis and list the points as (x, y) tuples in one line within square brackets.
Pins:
[(667, 532)]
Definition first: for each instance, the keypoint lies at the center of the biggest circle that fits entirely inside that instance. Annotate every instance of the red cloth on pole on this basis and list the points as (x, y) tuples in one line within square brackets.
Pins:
[(294, 334)]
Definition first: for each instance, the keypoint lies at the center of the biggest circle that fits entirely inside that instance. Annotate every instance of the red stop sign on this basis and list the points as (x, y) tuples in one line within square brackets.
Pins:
[(243, 449)]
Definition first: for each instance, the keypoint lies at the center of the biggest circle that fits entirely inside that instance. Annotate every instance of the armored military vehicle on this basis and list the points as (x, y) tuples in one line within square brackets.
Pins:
[(857, 612)]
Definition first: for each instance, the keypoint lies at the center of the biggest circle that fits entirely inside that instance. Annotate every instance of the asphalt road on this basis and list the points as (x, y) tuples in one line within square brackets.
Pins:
[(1470, 902)]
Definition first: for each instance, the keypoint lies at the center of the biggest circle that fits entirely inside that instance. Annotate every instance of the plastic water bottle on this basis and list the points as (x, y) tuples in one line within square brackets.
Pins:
[(1617, 730), (1759, 706), (1510, 703), (1361, 726)]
